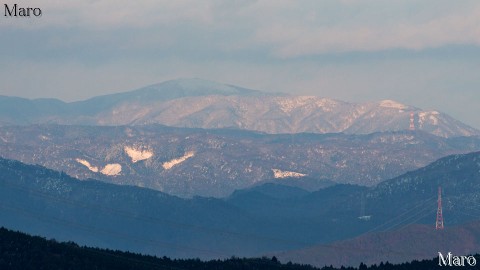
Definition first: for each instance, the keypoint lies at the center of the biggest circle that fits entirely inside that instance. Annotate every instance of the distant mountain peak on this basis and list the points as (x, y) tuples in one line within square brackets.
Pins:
[(197, 83), (198, 103), (192, 87)]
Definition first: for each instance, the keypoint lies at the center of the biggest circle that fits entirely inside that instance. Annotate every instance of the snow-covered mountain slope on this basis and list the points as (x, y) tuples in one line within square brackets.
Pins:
[(203, 104), (288, 114), (189, 162)]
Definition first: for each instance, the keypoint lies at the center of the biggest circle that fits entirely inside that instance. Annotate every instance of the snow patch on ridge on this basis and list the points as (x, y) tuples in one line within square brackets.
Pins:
[(87, 164), (288, 104), (430, 115), (169, 164), (112, 169), (326, 104), (284, 174), (392, 104), (136, 154)]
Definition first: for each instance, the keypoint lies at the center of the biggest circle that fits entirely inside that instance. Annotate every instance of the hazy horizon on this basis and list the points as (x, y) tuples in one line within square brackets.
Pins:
[(422, 54)]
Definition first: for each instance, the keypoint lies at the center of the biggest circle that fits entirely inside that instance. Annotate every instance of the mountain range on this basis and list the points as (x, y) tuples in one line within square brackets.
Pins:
[(192, 168), (189, 162), (198, 103), (265, 219)]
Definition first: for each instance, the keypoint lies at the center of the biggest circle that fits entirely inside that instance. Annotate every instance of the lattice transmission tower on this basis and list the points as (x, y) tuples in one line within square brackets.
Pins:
[(439, 223), (412, 121)]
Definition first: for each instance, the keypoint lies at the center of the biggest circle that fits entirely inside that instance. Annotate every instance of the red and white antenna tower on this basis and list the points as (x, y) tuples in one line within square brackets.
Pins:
[(412, 121), (439, 223)]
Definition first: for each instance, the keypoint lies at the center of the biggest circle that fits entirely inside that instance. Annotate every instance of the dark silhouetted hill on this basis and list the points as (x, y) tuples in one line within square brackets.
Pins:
[(23, 252)]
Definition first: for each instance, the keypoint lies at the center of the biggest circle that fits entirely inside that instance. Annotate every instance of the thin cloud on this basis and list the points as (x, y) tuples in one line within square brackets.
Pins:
[(286, 29), (290, 38)]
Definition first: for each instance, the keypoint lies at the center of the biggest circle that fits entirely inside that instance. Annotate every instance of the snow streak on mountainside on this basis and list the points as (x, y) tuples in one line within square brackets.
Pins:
[(87, 164), (137, 155), (112, 169), (286, 174), (169, 164), (109, 169), (203, 104)]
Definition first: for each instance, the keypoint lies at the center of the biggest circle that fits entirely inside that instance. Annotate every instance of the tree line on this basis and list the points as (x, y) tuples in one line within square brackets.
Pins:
[(21, 251)]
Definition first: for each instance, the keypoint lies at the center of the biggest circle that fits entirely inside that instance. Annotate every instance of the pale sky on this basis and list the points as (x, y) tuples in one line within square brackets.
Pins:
[(422, 53)]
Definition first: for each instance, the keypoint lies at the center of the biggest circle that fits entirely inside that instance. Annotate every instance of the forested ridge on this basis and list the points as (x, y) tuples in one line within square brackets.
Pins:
[(22, 251)]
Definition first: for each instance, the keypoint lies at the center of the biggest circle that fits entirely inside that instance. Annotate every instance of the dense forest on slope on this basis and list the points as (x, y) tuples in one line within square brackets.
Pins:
[(22, 251)]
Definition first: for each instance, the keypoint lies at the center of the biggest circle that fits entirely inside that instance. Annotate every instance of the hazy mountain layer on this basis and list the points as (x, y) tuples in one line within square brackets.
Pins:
[(22, 251), (414, 242), (203, 104), (189, 162)]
